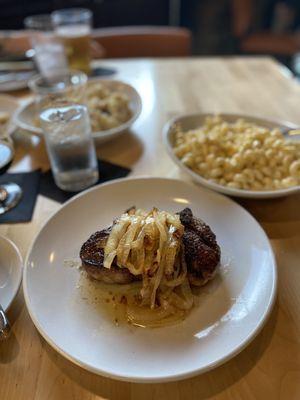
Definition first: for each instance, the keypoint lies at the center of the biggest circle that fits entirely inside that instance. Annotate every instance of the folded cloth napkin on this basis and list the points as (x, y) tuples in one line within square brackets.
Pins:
[(29, 182), (107, 172), (103, 71)]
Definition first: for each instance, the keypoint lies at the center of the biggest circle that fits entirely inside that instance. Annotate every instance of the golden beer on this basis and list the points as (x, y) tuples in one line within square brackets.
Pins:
[(76, 41)]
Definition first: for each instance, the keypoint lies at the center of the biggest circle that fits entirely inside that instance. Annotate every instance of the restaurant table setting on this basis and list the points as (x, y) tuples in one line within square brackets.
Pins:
[(50, 42), (35, 182), (107, 164)]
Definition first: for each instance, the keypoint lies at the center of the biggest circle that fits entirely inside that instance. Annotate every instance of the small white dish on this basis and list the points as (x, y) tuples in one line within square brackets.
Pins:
[(26, 116), (231, 312), (9, 105), (15, 80), (6, 151), (10, 271), (193, 121)]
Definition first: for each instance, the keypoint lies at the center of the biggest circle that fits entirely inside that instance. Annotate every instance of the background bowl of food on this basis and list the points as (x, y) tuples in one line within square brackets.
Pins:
[(113, 106), (234, 154)]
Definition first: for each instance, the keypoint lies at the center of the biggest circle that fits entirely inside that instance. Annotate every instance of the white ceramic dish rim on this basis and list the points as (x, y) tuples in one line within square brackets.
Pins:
[(15, 106), (214, 186), (20, 270), (13, 86), (124, 377), (108, 133)]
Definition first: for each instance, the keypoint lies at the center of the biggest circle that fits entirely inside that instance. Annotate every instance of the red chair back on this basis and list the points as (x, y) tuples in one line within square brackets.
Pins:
[(126, 42)]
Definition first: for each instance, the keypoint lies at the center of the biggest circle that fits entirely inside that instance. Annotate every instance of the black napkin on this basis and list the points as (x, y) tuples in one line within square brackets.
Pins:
[(102, 71), (107, 172), (29, 182)]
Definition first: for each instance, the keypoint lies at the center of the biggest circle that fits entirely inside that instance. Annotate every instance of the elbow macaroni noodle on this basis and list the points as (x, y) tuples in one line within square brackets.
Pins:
[(240, 155), (108, 108)]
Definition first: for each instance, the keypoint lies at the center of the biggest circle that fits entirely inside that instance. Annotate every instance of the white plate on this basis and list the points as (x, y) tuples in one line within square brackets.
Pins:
[(8, 104), (10, 271), (193, 121), (232, 310), (27, 114), (15, 80)]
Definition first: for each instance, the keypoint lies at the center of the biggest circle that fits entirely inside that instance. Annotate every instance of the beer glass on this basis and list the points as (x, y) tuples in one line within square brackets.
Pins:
[(73, 27)]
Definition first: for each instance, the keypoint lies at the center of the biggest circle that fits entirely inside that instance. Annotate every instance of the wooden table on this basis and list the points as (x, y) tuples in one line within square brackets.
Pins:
[(270, 366)]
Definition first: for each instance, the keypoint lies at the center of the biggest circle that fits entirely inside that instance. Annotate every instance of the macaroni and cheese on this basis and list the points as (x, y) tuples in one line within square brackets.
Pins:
[(240, 155)]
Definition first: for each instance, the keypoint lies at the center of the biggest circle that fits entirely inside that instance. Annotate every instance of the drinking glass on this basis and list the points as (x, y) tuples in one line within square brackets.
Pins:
[(73, 27), (49, 52), (62, 85), (65, 122), (67, 131)]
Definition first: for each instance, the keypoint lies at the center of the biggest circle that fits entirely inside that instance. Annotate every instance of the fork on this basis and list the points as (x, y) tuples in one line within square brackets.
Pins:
[(291, 133)]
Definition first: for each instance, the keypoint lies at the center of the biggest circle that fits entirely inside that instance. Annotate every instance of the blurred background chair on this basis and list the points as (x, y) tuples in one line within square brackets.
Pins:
[(142, 28), (144, 41), (119, 42), (14, 42), (266, 27)]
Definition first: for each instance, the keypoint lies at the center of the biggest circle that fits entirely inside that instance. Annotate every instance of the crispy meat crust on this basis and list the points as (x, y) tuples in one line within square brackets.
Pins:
[(202, 253), (92, 257)]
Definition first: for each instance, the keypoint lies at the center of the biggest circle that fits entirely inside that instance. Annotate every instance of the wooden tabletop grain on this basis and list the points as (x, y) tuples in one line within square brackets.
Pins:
[(270, 366)]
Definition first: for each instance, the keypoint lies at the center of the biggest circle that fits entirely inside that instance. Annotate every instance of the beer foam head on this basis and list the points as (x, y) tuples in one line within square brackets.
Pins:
[(73, 31)]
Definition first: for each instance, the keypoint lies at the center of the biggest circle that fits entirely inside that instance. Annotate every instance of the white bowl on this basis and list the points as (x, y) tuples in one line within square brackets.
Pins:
[(193, 121), (26, 116), (10, 271), (9, 104)]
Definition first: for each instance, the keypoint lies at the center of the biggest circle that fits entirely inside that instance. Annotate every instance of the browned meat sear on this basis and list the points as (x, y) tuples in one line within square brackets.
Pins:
[(202, 253), (92, 257)]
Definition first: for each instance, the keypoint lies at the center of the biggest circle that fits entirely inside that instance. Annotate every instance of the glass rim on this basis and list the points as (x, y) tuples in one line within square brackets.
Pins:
[(38, 22), (71, 15), (36, 80)]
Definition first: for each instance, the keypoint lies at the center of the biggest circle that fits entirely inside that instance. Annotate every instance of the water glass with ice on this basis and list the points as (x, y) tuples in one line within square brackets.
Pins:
[(62, 85), (67, 131), (49, 52)]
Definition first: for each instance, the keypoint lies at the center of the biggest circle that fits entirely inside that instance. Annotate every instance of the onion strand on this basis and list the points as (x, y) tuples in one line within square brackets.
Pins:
[(149, 244)]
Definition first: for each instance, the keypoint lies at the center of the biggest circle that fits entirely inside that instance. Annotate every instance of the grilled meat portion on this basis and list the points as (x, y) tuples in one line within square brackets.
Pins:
[(202, 253), (92, 257)]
